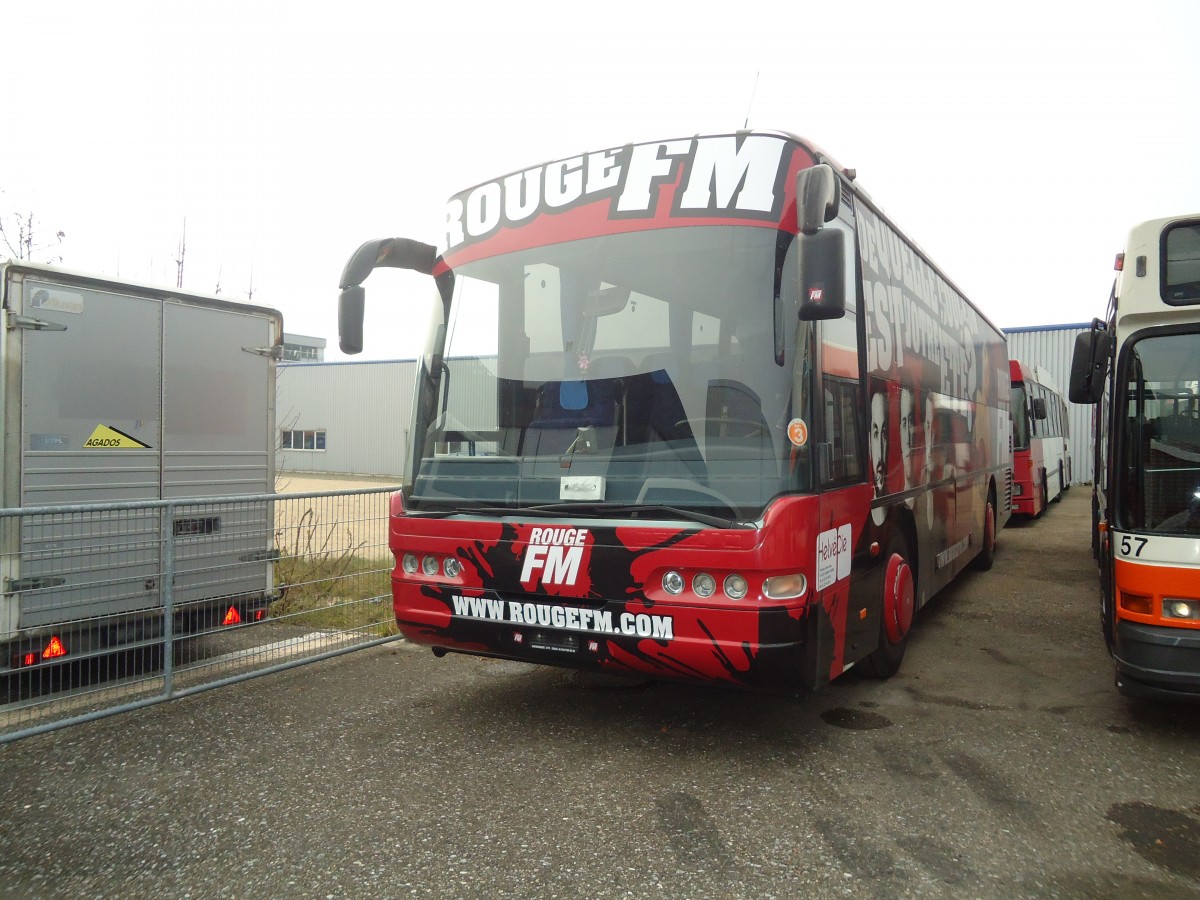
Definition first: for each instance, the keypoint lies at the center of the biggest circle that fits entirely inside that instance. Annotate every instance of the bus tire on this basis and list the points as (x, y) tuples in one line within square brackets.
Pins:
[(896, 610), (1107, 626), (987, 549)]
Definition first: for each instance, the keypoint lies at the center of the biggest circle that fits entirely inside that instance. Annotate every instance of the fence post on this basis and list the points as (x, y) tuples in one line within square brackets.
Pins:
[(168, 598)]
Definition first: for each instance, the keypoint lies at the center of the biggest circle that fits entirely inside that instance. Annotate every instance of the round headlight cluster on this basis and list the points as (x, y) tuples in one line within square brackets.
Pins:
[(735, 586), (430, 565)]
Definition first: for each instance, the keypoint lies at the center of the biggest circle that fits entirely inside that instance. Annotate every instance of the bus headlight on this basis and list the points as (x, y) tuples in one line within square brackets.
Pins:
[(429, 565), (409, 563), (1180, 609), (452, 567), (673, 583), (704, 585), (735, 587)]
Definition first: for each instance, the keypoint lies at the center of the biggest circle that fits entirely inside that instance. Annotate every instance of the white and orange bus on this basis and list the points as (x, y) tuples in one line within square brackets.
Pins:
[(1142, 365), (1041, 461), (694, 409)]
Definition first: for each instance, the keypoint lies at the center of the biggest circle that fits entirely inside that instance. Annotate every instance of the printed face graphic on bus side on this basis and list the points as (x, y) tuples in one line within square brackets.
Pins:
[(907, 433), (879, 441), (927, 426)]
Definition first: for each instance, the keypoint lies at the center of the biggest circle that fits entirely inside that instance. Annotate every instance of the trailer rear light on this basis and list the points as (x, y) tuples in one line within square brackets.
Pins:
[(1181, 609), (54, 649), (1136, 603), (232, 617), (735, 587), (786, 587)]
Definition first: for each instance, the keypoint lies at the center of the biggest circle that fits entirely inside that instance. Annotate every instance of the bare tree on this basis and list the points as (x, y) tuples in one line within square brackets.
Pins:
[(182, 254), (23, 238)]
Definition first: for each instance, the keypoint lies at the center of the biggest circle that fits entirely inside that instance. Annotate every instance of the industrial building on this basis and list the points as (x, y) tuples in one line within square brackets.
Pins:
[(344, 418), (1050, 347)]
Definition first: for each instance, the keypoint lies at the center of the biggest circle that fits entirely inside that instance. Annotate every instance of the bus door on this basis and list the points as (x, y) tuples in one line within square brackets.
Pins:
[(843, 479)]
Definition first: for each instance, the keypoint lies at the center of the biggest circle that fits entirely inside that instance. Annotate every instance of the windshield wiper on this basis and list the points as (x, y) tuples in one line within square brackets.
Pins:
[(558, 509)]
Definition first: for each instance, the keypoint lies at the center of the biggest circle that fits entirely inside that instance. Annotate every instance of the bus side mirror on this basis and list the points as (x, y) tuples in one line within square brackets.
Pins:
[(1039, 408), (822, 279), (1089, 364), (817, 198), (394, 253), (351, 302)]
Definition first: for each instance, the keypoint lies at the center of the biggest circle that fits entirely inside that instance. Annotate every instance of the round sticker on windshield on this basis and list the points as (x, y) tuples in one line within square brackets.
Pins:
[(798, 432)]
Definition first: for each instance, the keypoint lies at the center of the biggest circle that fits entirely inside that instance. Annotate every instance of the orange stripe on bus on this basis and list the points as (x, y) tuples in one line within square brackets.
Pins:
[(1156, 582)]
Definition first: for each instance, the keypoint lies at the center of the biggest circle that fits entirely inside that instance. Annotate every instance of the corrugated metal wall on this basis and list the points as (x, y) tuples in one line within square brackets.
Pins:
[(1050, 347), (363, 407)]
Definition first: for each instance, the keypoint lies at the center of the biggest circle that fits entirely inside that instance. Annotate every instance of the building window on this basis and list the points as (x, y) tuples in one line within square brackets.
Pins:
[(302, 440), (299, 352)]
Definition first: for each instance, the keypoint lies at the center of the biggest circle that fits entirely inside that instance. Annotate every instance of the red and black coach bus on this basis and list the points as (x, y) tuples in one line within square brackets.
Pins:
[(693, 409)]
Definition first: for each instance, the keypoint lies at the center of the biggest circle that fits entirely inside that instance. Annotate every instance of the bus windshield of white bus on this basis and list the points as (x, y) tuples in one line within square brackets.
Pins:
[(1161, 434), (1181, 269), (655, 368)]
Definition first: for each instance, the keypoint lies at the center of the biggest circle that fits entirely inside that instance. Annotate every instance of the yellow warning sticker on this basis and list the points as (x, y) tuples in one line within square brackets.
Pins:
[(105, 438)]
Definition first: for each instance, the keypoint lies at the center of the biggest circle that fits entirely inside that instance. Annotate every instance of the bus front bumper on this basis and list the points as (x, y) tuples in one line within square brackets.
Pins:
[(778, 649), (1157, 662)]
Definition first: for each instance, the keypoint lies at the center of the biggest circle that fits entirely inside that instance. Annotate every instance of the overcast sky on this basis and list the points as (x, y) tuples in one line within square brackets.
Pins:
[(1016, 142)]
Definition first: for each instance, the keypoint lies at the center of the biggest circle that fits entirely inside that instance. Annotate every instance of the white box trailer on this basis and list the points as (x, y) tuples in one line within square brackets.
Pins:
[(120, 392)]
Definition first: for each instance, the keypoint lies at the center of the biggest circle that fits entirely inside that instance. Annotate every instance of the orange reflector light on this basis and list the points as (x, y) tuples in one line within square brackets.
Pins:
[(29, 659), (232, 617), (1136, 603), (260, 615), (54, 649), (1119, 265)]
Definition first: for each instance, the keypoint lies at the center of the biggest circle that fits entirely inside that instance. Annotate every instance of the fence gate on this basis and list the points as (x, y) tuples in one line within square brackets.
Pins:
[(109, 607)]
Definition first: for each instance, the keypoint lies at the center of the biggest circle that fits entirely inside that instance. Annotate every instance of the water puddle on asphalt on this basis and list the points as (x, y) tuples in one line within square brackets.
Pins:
[(1166, 837)]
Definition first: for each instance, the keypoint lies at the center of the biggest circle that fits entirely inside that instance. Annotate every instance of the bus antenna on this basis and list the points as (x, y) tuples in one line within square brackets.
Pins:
[(753, 90)]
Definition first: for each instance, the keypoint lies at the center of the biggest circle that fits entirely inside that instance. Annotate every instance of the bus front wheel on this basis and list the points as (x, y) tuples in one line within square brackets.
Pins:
[(896, 610)]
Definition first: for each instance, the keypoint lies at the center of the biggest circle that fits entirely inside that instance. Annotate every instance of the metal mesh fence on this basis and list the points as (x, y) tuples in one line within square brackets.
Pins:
[(107, 607)]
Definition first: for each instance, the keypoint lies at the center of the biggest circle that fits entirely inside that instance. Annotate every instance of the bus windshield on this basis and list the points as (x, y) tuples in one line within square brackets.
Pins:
[(1020, 416), (1161, 434), (653, 369)]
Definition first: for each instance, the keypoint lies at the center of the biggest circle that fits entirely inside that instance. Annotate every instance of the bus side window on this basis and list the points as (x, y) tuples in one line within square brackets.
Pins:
[(841, 394), (841, 423)]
